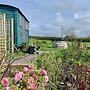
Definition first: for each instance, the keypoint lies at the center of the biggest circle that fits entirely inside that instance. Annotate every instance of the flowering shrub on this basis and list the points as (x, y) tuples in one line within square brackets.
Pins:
[(18, 76), (25, 69), (5, 83), (43, 72), (28, 79)]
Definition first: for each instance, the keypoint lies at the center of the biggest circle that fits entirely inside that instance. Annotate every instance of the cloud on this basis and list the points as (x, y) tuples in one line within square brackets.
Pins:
[(48, 16), (65, 13), (82, 24), (76, 16), (59, 19), (83, 19)]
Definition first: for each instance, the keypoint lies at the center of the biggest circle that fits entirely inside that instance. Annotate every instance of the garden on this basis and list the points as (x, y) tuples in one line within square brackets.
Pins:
[(53, 69)]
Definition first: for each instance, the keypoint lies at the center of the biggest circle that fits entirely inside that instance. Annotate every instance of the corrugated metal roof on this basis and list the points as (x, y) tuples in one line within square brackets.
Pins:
[(14, 8)]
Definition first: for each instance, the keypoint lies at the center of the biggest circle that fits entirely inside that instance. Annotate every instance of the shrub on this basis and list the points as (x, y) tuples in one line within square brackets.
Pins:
[(29, 78), (61, 62)]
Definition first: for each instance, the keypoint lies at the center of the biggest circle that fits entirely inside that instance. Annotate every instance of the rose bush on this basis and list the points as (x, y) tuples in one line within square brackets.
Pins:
[(5, 83), (18, 76), (29, 78)]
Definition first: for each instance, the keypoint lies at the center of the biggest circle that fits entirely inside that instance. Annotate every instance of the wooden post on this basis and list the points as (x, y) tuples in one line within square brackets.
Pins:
[(12, 36)]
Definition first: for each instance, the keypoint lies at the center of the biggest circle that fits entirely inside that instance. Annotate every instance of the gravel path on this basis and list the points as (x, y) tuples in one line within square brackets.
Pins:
[(24, 60)]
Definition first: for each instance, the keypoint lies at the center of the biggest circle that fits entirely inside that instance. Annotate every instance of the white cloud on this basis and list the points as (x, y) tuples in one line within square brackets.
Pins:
[(82, 24), (59, 18), (76, 16), (33, 25)]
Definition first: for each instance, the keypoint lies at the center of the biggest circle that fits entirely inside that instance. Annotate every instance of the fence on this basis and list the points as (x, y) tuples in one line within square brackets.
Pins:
[(6, 35), (10, 35), (2, 35)]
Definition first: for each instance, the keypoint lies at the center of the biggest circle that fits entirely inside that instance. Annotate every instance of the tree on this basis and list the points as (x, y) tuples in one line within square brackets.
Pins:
[(70, 32)]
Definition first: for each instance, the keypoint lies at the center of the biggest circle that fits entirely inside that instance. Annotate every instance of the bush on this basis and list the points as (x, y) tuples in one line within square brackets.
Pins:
[(61, 62), (30, 78)]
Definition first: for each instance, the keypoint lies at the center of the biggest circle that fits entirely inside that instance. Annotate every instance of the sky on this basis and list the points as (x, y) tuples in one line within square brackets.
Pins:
[(50, 17)]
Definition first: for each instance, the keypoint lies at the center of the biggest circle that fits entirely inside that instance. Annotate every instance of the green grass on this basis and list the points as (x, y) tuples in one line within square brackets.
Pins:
[(87, 44), (47, 45), (15, 55)]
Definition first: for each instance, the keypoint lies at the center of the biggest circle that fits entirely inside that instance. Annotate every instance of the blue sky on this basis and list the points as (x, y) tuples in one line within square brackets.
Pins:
[(48, 16)]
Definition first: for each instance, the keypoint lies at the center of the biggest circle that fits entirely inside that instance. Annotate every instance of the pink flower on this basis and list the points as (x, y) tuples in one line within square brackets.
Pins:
[(25, 69), (5, 82), (18, 76), (33, 86), (6, 88), (46, 78), (43, 72)]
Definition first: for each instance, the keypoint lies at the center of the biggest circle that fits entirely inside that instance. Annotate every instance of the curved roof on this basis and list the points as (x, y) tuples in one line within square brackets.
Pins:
[(14, 8)]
